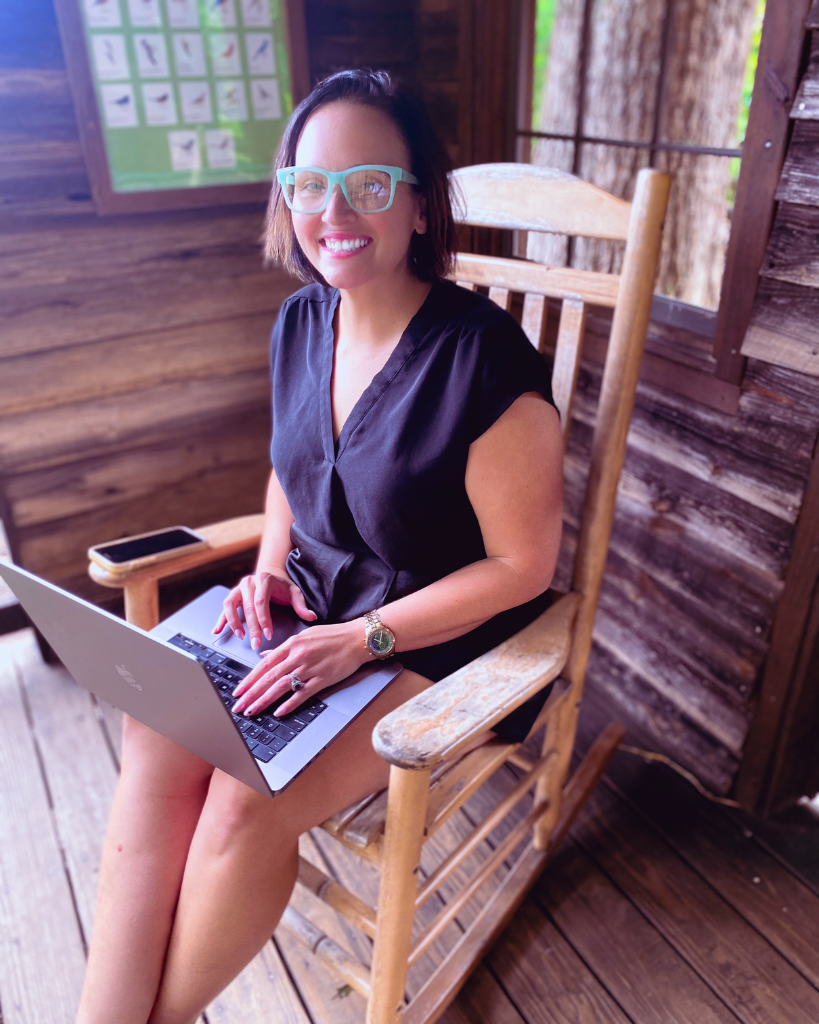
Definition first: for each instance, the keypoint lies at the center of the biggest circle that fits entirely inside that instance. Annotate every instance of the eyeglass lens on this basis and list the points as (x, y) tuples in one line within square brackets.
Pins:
[(368, 190)]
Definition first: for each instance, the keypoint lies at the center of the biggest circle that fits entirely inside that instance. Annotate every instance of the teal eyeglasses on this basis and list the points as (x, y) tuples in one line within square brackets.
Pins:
[(368, 188)]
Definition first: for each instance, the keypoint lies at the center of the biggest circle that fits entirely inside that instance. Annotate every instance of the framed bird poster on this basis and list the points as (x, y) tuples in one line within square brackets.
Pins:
[(182, 103)]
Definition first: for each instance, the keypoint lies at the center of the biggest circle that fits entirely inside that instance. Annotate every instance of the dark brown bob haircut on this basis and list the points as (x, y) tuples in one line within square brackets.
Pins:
[(430, 253)]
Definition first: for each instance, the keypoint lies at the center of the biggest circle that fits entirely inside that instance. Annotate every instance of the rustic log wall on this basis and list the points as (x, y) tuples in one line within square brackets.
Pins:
[(784, 317), (702, 537)]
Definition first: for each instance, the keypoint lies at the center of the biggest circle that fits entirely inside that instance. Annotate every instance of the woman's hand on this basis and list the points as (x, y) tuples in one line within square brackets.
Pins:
[(254, 594), (319, 656)]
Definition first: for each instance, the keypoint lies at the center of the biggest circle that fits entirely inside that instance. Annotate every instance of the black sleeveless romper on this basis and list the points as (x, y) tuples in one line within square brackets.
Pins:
[(385, 511)]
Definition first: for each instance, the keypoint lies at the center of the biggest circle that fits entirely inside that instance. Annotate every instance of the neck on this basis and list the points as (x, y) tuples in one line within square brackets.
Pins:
[(376, 312)]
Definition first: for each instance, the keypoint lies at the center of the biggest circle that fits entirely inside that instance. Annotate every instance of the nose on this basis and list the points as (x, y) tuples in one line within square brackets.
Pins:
[(337, 207)]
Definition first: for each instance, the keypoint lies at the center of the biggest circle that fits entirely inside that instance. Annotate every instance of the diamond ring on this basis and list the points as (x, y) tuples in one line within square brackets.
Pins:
[(295, 682)]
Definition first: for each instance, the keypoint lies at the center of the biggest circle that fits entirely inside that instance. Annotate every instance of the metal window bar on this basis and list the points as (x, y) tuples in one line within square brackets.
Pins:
[(671, 147)]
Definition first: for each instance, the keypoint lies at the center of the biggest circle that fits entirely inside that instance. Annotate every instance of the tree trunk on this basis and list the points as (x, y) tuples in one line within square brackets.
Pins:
[(708, 45)]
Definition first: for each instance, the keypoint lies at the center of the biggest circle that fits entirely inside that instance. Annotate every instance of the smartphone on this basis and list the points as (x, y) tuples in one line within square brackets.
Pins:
[(145, 548)]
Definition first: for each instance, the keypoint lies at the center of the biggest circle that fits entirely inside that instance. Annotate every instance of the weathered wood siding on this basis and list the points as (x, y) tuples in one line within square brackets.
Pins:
[(702, 538), (783, 322)]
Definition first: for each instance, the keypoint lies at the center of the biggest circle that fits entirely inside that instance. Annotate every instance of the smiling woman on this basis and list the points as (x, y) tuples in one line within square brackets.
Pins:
[(413, 510)]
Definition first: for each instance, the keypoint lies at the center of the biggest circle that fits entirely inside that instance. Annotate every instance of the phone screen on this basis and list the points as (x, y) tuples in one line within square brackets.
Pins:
[(130, 549)]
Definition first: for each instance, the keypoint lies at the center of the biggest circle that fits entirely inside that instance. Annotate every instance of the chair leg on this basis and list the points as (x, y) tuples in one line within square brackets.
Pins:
[(559, 737), (403, 837)]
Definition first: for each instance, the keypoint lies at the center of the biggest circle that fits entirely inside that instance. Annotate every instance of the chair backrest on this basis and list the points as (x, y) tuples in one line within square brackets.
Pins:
[(525, 197)]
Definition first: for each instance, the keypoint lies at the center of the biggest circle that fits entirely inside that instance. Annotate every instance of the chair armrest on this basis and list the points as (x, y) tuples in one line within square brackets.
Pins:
[(227, 538), (437, 724)]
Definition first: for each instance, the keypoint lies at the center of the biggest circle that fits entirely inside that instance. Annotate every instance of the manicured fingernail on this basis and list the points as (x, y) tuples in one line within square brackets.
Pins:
[(240, 633), (255, 643), (268, 634)]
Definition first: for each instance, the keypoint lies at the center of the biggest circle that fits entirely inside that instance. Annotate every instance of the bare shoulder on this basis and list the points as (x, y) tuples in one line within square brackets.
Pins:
[(530, 419)]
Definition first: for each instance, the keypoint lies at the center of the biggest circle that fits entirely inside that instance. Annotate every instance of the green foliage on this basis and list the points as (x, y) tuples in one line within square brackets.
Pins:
[(544, 20), (745, 103)]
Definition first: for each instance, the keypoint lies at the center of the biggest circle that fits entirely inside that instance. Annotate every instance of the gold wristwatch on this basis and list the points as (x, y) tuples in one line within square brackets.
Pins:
[(378, 640)]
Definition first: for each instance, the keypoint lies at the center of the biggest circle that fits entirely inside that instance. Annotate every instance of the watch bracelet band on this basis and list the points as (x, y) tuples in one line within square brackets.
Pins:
[(372, 621)]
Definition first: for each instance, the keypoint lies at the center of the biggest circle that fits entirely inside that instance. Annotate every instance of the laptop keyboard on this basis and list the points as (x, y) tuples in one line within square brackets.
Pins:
[(265, 734)]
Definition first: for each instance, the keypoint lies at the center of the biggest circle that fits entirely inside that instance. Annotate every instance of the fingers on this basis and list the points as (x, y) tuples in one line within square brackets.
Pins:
[(300, 605), (248, 586), (221, 622), (262, 608), (269, 688), (230, 613)]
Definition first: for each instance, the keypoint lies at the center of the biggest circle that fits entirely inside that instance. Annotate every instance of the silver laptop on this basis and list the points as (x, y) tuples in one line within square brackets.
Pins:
[(178, 678)]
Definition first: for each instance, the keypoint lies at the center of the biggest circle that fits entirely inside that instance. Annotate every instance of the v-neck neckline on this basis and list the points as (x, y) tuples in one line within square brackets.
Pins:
[(333, 450)]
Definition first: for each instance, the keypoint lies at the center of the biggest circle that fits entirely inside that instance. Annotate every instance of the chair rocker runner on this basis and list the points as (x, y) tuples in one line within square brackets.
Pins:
[(424, 740)]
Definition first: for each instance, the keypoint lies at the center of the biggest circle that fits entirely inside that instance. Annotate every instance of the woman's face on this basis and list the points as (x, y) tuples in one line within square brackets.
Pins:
[(342, 135)]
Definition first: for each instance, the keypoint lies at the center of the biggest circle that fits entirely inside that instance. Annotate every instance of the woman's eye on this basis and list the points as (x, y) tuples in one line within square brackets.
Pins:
[(311, 187)]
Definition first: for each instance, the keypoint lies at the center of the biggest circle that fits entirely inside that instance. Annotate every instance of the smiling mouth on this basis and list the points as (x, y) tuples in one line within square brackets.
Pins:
[(345, 244)]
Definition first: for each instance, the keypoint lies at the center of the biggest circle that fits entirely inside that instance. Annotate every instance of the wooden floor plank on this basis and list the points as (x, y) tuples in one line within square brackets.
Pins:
[(262, 993), (737, 963), (631, 958), (545, 978), (792, 836), (81, 774), (324, 994), (112, 722), (42, 959), (482, 1001), (725, 853)]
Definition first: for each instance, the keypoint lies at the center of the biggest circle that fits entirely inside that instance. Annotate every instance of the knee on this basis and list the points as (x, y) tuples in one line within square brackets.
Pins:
[(237, 815)]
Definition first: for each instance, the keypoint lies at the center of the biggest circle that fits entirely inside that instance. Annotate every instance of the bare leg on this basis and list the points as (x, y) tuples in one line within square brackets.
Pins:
[(243, 859), (157, 804)]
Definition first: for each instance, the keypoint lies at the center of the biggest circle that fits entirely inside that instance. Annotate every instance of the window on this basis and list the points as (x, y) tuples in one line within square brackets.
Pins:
[(623, 84)]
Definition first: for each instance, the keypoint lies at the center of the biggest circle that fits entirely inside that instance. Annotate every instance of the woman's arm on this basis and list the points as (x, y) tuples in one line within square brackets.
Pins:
[(270, 581), (514, 480)]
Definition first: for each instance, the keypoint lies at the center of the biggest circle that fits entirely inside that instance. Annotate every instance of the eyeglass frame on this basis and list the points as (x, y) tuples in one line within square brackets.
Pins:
[(397, 174)]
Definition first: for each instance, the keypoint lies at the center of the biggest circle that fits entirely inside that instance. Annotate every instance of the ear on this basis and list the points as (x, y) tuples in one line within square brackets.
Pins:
[(421, 216)]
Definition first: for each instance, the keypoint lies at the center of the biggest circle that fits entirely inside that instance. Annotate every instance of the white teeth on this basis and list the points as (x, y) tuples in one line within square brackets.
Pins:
[(345, 244)]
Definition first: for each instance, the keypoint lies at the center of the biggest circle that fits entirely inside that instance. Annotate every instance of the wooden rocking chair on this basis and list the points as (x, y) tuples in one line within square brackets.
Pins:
[(430, 779)]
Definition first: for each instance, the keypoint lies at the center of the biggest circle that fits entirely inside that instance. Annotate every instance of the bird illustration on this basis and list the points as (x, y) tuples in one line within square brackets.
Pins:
[(99, 3), (256, 5), (217, 3), (161, 99), (263, 47), (197, 101), (231, 96), (186, 46), (224, 143), (109, 52), (228, 53), (149, 51), (186, 146), (123, 100), (263, 93)]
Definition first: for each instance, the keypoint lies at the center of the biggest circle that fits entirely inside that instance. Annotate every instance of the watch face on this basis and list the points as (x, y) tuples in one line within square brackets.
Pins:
[(380, 641)]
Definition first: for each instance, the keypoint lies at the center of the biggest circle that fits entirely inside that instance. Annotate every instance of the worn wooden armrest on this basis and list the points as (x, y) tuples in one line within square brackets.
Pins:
[(227, 538), (440, 722)]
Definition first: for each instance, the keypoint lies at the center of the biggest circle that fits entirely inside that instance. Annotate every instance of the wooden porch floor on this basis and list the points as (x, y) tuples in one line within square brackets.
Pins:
[(660, 908)]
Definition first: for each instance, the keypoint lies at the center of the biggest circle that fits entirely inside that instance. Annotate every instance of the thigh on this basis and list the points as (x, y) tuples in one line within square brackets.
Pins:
[(158, 765), (347, 771)]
